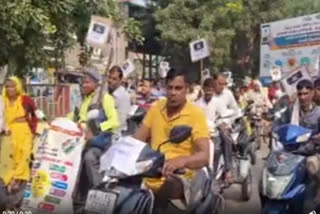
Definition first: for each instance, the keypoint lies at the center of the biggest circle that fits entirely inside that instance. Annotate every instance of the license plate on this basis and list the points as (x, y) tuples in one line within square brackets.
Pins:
[(101, 202)]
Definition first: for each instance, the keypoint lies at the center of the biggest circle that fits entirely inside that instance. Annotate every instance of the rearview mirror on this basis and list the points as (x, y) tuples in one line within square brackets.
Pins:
[(179, 134)]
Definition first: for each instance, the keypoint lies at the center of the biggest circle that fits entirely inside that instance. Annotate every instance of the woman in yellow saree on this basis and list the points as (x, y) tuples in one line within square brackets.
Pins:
[(20, 123)]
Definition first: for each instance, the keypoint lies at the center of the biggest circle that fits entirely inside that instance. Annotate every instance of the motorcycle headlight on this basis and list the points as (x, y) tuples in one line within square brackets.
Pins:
[(303, 138), (274, 186)]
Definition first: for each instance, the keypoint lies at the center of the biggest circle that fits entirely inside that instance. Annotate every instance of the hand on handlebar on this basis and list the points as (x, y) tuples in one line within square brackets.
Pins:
[(316, 139), (174, 166), (223, 127)]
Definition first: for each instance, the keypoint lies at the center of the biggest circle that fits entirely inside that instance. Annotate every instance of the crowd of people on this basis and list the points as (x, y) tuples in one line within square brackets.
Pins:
[(172, 101)]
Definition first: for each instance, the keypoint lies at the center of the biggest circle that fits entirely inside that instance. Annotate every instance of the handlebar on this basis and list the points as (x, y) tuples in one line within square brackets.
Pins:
[(180, 172), (177, 172)]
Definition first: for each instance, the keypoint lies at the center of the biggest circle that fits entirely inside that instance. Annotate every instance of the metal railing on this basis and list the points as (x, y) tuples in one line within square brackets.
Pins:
[(53, 99)]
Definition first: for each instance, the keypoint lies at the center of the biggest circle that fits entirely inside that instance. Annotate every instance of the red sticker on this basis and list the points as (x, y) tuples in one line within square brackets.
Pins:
[(47, 207)]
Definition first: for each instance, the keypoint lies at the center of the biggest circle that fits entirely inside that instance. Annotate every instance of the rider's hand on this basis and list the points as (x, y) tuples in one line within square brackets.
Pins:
[(172, 165), (88, 134), (223, 127)]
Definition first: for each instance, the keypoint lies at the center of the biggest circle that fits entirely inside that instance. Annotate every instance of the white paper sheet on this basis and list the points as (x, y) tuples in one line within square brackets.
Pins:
[(122, 156)]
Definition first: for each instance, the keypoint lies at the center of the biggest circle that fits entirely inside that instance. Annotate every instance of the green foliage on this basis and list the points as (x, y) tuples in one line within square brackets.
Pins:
[(106, 8), (232, 28), (182, 21), (27, 26)]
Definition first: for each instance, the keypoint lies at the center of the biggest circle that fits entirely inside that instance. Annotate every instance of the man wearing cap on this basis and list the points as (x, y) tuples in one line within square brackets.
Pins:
[(99, 139)]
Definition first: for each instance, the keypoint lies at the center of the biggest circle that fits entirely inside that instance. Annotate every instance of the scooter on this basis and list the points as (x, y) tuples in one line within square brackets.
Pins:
[(119, 194), (284, 177), (244, 155), (135, 118)]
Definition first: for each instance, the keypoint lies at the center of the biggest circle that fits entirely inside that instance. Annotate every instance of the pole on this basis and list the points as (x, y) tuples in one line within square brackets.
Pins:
[(144, 65), (201, 69)]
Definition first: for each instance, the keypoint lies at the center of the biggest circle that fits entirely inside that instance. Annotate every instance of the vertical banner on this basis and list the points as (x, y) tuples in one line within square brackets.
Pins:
[(55, 169)]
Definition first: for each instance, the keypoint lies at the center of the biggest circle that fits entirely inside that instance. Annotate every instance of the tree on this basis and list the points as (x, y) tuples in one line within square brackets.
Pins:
[(28, 26), (246, 43), (24, 29), (232, 28), (182, 21)]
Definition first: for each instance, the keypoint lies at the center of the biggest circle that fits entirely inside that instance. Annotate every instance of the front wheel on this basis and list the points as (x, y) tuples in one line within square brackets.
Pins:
[(253, 155), (246, 187), (259, 142)]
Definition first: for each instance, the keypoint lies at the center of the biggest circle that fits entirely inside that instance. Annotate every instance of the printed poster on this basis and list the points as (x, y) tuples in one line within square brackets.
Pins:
[(290, 44), (55, 169)]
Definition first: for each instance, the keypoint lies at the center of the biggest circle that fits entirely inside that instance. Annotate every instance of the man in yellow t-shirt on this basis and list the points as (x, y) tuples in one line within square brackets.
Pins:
[(161, 118)]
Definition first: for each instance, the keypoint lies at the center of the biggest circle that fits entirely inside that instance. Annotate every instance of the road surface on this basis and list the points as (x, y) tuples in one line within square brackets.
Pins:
[(233, 202)]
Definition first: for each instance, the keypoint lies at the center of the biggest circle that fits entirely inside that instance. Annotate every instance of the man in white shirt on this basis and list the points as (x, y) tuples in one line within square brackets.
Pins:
[(226, 106), (206, 102), (121, 97)]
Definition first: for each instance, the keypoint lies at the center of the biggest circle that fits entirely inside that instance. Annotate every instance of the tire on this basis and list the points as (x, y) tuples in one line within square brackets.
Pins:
[(246, 187), (219, 205), (253, 155), (258, 143)]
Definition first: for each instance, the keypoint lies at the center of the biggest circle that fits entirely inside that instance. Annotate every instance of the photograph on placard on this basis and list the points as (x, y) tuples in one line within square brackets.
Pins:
[(198, 45), (97, 28), (98, 32), (199, 50)]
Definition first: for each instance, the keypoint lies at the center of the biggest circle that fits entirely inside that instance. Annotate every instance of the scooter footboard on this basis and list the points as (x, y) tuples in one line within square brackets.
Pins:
[(274, 207)]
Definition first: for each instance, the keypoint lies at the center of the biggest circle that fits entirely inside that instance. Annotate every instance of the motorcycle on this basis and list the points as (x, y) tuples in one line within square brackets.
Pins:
[(244, 155), (119, 194), (284, 176)]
